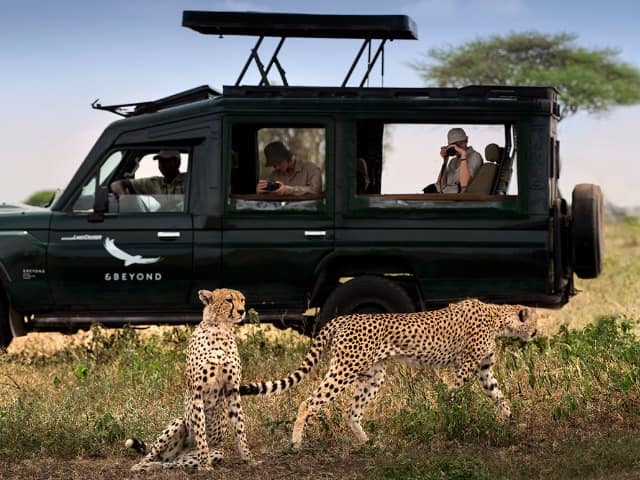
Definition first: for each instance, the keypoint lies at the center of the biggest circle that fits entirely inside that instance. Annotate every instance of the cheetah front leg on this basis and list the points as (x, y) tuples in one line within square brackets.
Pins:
[(464, 373), (366, 391), (236, 420), (199, 424), (215, 415), (490, 386)]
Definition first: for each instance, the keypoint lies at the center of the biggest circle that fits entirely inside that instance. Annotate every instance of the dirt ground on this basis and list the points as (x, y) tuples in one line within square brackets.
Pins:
[(299, 466)]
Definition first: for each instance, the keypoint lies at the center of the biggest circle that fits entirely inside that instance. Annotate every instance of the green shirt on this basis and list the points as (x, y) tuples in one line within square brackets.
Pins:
[(306, 179), (158, 185)]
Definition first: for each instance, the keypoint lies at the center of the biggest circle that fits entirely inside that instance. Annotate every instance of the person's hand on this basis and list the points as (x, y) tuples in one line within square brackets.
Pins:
[(262, 186), (462, 152), (122, 187), (280, 190), (443, 152)]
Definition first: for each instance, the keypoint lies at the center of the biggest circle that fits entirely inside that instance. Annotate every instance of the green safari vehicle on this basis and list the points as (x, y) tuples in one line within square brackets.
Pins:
[(369, 241)]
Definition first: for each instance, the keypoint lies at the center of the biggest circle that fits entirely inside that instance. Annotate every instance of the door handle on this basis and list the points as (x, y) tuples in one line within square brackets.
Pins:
[(168, 235), (315, 233)]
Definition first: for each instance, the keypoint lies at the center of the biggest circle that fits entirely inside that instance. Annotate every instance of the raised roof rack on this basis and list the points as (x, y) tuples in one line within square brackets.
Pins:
[(485, 92), (284, 25), (202, 92)]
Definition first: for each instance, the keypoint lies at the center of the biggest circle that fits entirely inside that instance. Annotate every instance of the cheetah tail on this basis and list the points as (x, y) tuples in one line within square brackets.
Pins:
[(308, 364), (137, 445)]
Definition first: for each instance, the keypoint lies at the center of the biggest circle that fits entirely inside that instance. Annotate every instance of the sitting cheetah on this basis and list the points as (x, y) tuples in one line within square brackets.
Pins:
[(462, 334), (212, 383)]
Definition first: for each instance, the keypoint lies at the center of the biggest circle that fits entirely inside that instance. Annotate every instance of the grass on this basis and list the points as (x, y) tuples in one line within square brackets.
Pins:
[(574, 396), (617, 290)]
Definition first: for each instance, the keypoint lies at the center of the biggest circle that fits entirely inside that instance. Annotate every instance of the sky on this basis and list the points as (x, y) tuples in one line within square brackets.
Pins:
[(58, 57)]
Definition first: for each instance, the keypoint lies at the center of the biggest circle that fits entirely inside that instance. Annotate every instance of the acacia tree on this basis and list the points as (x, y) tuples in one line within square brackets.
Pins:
[(589, 80)]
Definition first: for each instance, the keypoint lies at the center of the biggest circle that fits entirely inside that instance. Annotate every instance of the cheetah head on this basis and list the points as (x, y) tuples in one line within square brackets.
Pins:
[(520, 322), (223, 304)]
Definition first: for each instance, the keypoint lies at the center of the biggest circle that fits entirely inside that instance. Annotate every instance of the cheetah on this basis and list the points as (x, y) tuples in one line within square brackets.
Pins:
[(463, 334), (212, 387)]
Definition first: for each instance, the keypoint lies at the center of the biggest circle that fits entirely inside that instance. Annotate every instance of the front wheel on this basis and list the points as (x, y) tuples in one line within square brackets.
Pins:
[(366, 294)]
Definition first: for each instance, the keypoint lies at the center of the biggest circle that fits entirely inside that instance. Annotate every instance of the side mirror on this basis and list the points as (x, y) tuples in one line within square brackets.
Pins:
[(100, 205)]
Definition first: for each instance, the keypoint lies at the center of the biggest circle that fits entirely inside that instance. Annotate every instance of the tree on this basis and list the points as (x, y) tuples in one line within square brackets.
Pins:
[(40, 198), (589, 80)]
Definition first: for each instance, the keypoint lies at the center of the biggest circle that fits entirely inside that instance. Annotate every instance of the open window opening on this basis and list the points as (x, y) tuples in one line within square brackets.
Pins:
[(277, 166), (148, 180), (417, 159)]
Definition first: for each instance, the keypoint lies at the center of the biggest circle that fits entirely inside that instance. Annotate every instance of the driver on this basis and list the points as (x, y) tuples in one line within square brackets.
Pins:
[(171, 182)]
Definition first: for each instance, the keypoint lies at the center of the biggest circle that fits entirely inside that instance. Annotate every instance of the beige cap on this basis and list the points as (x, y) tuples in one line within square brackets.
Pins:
[(456, 135), (167, 154)]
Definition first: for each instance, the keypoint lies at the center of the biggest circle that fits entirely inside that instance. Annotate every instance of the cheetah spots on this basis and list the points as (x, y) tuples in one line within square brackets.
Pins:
[(213, 375), (462, 334)]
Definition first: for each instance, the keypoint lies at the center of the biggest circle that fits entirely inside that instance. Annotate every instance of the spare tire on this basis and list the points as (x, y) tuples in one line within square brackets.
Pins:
[(587, 230)]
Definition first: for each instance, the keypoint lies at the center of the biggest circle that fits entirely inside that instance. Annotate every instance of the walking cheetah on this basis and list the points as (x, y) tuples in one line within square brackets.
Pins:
[(462, 334), (212, 387)]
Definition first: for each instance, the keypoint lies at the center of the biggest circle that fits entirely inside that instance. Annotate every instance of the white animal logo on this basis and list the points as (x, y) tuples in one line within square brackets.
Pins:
[(127, 258)]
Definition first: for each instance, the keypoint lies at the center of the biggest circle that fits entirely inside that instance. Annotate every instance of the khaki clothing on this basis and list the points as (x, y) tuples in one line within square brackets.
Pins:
[(474, 160), (158, 185), (306, 179)]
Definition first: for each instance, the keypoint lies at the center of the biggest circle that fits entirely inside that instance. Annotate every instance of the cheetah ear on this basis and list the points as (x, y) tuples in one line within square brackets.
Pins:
[(523, 314), (205, 296)]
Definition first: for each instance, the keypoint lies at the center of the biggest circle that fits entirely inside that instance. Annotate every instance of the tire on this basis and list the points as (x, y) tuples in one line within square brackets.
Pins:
[(5, 327), (587, 230), (366, 294)]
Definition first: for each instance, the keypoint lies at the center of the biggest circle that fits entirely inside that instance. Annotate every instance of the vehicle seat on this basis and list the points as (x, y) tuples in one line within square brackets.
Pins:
[(130, 203), (505, 170), (362, 177), (485, 177)]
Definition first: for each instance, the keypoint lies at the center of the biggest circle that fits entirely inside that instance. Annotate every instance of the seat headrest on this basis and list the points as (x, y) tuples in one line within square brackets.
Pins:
[(493, 153)]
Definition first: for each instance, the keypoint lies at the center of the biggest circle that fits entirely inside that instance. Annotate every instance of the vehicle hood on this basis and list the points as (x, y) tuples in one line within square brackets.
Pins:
[(22, 216)]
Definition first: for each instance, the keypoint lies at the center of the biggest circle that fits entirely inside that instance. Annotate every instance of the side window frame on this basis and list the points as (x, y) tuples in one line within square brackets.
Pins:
[(437, 202), (131, 154), (252, 203)]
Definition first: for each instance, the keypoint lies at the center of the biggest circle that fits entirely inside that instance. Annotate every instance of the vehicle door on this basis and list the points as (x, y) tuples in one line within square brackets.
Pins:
[(491, 244), (272, 243), (140, 251)]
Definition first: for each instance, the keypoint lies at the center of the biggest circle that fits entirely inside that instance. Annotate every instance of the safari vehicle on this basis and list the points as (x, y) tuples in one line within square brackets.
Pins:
[(370, 241)]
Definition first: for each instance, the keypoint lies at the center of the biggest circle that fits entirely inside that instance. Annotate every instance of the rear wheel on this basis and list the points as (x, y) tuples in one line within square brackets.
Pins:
[(366, 294), (586, 233)]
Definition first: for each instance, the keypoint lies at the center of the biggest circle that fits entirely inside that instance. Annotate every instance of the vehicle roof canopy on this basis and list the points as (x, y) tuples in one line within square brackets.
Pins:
[(388, 27), (381, 28), (284, 25)]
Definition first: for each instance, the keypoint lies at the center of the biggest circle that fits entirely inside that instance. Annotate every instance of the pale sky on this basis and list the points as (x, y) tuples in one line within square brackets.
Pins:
[(57, 57)]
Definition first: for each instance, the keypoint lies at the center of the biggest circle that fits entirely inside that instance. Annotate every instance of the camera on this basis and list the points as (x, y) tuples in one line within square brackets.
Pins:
[(271, 186), (451, 151)]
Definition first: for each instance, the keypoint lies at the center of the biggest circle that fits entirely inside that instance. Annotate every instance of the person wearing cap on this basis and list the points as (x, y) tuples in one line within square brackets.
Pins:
[(294, 176), (457, 172), (171, 182)]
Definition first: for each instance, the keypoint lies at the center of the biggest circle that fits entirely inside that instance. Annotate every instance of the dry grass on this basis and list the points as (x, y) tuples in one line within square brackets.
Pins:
[(575, 399), (617, 290)]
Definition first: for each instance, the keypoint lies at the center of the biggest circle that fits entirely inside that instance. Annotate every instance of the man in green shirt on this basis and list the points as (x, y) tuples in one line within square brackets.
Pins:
[(170, 183), (292, 175)]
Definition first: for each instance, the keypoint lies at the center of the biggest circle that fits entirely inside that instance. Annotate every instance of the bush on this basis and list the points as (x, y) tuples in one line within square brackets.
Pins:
[(41, 198)]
